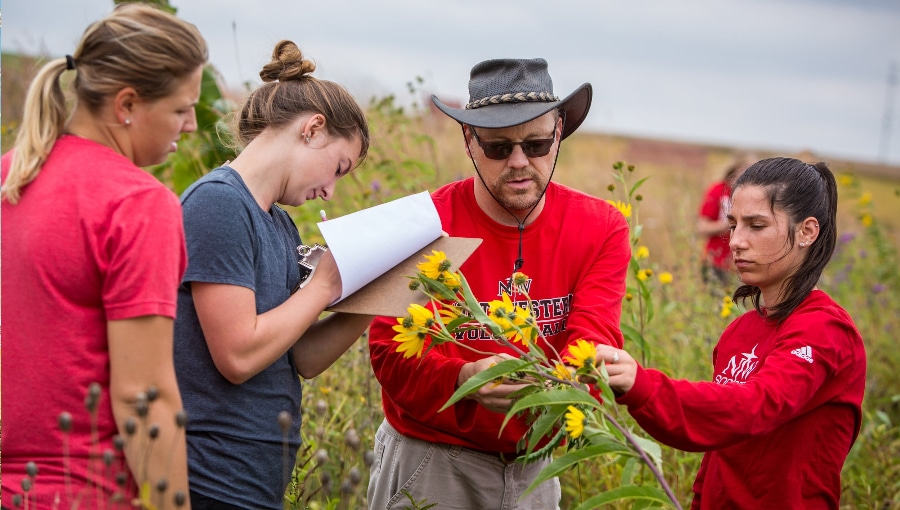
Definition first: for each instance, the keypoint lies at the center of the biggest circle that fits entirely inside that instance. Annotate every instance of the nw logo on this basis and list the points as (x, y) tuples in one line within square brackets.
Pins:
[(740, 370)]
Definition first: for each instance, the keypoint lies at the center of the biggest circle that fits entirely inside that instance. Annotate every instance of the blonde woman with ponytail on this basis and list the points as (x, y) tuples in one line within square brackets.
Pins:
[(93, 252)]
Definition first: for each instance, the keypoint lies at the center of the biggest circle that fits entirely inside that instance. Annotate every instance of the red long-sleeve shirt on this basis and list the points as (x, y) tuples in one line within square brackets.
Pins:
[(779, 417), (576, 255)]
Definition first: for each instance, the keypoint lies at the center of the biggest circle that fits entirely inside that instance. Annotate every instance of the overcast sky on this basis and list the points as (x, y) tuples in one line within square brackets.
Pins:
[(785, 75)]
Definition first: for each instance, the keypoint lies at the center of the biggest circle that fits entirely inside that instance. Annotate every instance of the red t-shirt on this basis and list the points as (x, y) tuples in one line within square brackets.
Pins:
[(779, 417), (716, 203), (576, 254), (93, 238)]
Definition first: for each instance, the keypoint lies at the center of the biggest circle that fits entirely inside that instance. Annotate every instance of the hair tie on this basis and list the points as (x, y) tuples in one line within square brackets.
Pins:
[(70, 63)]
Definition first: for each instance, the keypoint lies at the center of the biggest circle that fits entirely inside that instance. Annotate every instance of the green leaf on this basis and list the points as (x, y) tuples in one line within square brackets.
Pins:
[(545, 423), (636, 186), (634, 336), (568, 396), (478, 380), (562, 464), (627, 492), (651, 448)]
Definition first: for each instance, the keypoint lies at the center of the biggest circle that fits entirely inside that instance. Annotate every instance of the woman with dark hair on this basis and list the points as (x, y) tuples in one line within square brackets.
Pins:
[(784, 406), (246, 332), (93, 251)]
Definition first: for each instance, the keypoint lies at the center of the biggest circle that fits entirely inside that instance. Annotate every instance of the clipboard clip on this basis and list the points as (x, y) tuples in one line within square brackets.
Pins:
[(308, 257)]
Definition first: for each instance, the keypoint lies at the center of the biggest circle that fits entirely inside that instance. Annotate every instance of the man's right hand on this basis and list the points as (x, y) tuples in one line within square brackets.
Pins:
[(494, 396)]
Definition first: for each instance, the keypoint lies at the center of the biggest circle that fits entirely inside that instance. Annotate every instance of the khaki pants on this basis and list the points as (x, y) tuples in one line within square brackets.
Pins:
[(455, 478)]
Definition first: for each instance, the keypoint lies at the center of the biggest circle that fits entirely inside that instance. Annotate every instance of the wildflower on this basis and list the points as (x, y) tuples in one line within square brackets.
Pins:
[(519, 278), (878, 288), (866, 219), (581, 354), (412, 330), (727, 307), (665, 278), (449, 313), (451, 280), (624, 208), (574, 422), (642, 252), (628, 296), (509, 317), (434, 264), (644, 274), (411, 338), (865, 199), (420, 316), (561, 371), (845, 180)]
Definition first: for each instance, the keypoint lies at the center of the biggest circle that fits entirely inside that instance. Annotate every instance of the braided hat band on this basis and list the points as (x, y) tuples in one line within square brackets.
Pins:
[(510, 92), (513, 97)]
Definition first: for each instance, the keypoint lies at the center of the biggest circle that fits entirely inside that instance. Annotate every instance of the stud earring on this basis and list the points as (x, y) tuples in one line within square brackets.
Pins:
[(307, 138), (802, 244), (127, 122)]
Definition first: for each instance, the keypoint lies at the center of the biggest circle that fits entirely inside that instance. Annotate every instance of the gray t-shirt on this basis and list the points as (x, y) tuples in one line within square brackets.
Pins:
[(235, 445)]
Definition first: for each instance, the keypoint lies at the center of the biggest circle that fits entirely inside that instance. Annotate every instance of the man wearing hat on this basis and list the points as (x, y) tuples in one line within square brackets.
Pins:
[(573, 247)]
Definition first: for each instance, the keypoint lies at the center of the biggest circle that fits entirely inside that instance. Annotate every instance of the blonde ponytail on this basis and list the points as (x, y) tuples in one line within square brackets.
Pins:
[(43, 121)]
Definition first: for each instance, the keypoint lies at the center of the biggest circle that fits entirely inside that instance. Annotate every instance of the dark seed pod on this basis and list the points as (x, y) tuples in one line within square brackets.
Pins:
[(180, 498), (321, 457), (121, 478), (352, 439), (130, 426), (118, 443), (17, 500), (26, 484), (321, 407), (65, 421), (141, 406), (93, 396), (369, 458), (181, 418), (161, 485), (152, 393), (355, 476), (108, 457), (153, 431), (346, 486), (31, 468)]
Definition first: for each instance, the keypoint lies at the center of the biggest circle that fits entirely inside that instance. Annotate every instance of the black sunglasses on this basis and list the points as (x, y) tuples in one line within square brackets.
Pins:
[(502, 150)]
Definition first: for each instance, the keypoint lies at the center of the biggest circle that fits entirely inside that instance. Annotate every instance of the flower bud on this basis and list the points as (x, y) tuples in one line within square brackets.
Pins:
[(65, 421)]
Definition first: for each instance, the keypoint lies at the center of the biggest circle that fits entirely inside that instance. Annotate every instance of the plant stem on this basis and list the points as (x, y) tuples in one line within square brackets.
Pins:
[(646, 459)]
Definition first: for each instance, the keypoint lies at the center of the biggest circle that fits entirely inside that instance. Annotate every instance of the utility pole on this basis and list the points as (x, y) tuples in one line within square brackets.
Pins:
[(886, 121)]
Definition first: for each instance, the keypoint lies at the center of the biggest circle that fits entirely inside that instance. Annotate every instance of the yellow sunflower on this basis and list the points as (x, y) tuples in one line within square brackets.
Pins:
[(434, 264), (581, 354), (574, 422)]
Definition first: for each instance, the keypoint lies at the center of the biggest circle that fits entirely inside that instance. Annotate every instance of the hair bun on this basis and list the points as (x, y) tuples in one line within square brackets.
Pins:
[(287, 64)]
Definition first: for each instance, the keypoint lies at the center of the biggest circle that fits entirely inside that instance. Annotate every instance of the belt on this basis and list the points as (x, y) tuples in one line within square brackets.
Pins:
[(504, 457)]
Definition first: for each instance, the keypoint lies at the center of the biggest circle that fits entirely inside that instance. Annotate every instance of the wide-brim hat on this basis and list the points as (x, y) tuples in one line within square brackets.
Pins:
[(509, 92)]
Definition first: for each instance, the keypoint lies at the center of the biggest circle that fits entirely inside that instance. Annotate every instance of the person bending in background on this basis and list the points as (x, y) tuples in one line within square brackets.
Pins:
[(245, 329), (784, 406), (716, 266), (573, 247), (93, 251)]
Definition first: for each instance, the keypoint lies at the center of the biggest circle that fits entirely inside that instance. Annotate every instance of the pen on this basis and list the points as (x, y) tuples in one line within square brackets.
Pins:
[(322, 215)]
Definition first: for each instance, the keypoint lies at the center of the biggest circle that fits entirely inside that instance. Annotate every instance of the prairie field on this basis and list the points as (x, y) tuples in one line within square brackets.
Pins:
[(415, 149)]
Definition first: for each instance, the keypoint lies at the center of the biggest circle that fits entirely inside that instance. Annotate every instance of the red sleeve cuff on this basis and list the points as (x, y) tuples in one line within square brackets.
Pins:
[(640, 392)]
